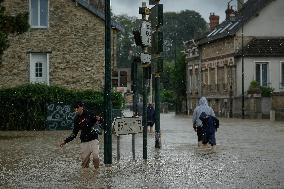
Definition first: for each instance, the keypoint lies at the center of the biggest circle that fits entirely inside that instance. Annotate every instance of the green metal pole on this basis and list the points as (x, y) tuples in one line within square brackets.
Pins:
[(144, 115), (175, 56), (157, 112), (135, 91), (107, 89)]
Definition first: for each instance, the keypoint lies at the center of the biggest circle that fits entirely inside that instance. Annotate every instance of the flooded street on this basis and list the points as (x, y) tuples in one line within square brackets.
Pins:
[(249, 154)]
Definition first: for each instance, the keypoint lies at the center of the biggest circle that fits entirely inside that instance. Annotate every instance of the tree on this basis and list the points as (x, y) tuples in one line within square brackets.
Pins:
[(126, 45), (177, 28), (11, 24), (180, 27)]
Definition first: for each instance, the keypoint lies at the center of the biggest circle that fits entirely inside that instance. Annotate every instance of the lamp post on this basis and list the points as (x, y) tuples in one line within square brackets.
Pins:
[(243, 90), (241, 3)]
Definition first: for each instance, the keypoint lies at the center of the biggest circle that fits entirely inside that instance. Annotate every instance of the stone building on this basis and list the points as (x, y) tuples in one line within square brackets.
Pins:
[(248, 35), (193, 89), (64, 45)]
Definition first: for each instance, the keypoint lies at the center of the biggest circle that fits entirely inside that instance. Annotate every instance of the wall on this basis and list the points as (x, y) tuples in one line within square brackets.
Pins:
[(249, 72), (218, 48), (278, 106), (75, 40), (268, 23), (255, 107)]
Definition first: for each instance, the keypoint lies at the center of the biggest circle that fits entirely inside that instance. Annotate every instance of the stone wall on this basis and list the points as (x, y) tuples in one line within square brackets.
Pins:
[(218, 48), (278, 106), (255, 107), (74, 39)]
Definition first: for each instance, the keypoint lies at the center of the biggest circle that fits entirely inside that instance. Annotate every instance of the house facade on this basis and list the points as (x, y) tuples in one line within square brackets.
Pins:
[(64, 45), (193, 88), (248, 39)]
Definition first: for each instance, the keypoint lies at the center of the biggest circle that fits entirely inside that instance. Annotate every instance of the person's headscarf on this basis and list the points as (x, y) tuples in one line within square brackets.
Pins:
[(203, 101), (202, 107)]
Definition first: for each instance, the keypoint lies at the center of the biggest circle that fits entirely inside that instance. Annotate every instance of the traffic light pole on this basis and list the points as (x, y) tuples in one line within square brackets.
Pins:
[(135, 62), (157, 112), (144, 114), (156, 18)]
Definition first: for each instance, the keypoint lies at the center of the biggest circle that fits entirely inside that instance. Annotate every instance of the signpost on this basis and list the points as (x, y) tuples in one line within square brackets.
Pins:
[(126, 126)]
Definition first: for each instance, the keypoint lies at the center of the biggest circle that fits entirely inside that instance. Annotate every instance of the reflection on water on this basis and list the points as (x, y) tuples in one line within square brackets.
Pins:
[(35, 160)]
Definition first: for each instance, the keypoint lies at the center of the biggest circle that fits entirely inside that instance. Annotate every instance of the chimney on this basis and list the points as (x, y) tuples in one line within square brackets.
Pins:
[(240, 4), (214, 21), (230, 11)]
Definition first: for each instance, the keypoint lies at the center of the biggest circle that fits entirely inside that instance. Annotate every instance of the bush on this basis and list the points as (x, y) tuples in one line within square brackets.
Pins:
[(25, 107), (254, 88), (266, 91)]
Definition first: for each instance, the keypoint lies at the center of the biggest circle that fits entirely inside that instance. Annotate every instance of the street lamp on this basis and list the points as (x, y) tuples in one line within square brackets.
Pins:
[(243, 90), (241, 2)]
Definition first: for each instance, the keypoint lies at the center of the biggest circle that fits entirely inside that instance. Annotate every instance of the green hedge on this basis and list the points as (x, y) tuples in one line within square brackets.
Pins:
[(25, 107)]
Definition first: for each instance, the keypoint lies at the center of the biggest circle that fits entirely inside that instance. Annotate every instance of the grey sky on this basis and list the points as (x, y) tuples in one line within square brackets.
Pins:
[(204, 7)]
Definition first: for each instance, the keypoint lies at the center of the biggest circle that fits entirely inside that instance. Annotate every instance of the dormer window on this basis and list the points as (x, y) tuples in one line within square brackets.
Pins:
[(39, 13)]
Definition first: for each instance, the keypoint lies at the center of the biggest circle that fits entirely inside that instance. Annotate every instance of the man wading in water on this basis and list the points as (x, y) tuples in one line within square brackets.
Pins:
[(85, 122)]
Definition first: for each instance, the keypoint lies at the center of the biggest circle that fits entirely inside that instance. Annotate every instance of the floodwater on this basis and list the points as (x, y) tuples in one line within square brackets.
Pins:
[(249, 154)]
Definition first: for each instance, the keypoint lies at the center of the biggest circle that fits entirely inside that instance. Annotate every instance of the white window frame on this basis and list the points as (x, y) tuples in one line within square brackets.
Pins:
[(281, 84), (268, 71), (30, 15), (38, 69), (47, 68)]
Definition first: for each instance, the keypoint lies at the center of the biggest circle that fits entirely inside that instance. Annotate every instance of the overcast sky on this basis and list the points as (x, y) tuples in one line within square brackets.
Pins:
[(204, 7)]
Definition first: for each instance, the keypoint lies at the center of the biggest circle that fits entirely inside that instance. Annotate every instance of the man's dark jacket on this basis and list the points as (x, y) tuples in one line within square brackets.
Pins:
[(84, 122)]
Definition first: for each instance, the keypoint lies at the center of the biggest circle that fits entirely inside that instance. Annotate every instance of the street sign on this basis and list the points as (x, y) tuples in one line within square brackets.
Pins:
[(145, 58), (146, 33), (127, 125)]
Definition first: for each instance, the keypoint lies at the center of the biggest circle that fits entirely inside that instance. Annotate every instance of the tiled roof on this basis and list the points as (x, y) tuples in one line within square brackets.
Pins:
[(264, 48), (230, 26), (98, 13)]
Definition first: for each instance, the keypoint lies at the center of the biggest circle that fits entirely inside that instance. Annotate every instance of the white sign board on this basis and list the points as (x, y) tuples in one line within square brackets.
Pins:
[(127, 125), (146, 33), (145, 58)]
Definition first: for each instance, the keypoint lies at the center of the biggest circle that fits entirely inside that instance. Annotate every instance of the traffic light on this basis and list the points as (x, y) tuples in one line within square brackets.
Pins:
[(135, 62), (137, 38), (156, 16), (153, 2), (157, 42)]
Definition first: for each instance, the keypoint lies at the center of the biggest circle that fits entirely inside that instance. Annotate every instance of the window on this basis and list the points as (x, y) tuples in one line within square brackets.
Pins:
[(190, 78), (123, 79), (282, 74), (261, 73), (38, 69), (39, 13), (115, 79)]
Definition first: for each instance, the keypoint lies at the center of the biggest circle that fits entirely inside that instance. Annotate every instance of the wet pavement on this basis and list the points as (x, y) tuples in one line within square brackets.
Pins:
[(249, 154)]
